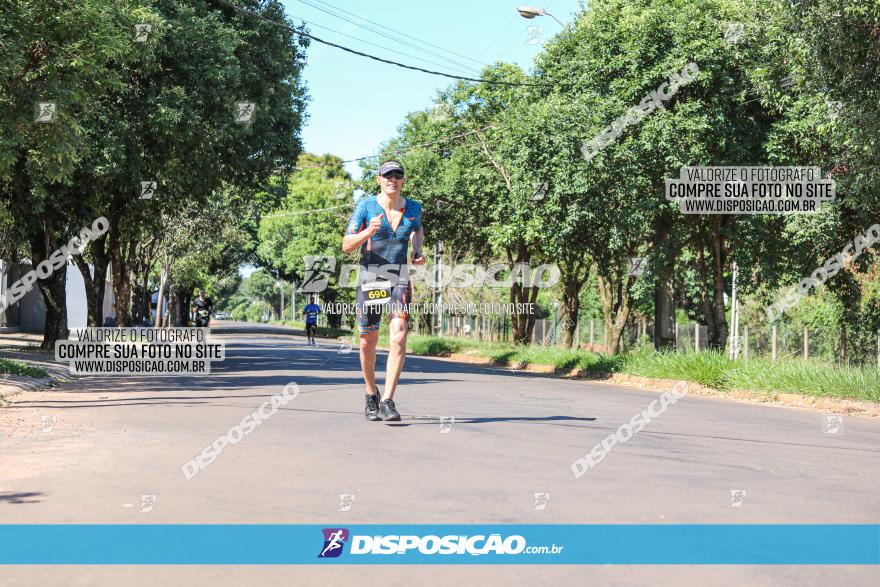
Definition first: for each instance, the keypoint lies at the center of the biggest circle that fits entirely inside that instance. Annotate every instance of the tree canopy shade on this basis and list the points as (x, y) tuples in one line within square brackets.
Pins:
[(64, 55), (164, 109)]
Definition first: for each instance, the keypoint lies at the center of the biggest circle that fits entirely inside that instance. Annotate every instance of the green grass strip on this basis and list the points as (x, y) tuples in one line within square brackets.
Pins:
[(14, 367), (710, 368)]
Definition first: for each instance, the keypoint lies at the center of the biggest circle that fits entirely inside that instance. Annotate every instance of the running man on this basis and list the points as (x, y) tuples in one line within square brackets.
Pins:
[(381, 226), (201, 310), (311, 312)]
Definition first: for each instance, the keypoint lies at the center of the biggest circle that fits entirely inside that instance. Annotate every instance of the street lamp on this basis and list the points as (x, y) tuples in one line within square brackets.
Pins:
[(532, 12)]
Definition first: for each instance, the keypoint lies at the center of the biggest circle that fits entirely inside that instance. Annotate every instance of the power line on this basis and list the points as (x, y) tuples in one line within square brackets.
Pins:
[(454, 63), (373, 57), (463, 68), (398, 32)]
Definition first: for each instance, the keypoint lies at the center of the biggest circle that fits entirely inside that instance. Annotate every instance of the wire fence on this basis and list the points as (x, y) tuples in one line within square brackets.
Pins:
[(755, 340), (782, 340)]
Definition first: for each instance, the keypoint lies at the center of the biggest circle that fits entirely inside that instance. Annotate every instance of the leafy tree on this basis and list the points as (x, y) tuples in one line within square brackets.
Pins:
[(162, 110), (310, 222), (475, 196), (816, 63), (617, 53), (263, 287), (69, 54)]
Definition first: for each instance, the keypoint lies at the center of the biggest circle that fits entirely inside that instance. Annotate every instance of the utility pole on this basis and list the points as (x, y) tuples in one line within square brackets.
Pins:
[(734, 331), (281, 287), (438, 296), (555, 320)]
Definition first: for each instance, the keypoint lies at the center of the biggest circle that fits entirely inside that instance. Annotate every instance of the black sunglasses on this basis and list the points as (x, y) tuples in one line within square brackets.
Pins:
[(393, 175)]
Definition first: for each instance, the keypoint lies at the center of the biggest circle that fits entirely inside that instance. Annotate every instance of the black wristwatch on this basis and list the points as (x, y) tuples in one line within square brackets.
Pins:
[(416, 255)]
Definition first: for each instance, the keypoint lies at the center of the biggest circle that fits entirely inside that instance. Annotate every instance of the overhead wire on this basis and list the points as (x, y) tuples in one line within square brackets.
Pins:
[(286, 26), (387, 36), (404, 34), (466, 71)]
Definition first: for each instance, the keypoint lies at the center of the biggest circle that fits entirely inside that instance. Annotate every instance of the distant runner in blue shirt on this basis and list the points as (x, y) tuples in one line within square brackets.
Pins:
[(311, 312), (382, 226)]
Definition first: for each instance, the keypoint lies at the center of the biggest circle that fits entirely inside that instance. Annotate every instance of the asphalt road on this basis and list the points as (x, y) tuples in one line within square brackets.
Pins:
[(113, 440)]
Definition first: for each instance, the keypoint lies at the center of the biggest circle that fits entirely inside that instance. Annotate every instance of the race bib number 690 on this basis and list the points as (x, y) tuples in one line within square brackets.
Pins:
[(377, 292)]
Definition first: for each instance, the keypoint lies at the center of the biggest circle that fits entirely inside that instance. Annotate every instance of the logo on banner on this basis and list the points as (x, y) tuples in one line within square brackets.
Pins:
[(334, 540)]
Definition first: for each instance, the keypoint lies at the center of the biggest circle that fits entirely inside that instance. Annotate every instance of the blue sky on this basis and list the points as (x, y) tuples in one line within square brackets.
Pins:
[(356, 103)]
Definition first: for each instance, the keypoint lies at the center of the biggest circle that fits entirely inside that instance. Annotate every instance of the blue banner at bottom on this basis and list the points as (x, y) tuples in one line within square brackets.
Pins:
[(221, 544)]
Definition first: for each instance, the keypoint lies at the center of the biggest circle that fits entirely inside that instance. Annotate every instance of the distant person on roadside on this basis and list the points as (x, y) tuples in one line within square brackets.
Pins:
[(311, 312), (201, 309)]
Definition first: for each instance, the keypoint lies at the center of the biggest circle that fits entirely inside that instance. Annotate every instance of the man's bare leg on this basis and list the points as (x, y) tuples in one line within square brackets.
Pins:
[(396, 356), (368, 360)]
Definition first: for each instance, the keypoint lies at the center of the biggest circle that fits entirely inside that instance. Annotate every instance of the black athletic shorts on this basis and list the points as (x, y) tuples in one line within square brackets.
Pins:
[(377, 297)]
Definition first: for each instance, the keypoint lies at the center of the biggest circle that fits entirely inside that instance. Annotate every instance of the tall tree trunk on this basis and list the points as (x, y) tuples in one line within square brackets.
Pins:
[(664, 308), (53, 288), (136, 290), (616, 306), (96, 280), (571, 305), (55, 295), (705, 285), (173, 307), (163, 281), (148, 295), (718, 332), (523, 323), (575, 272), (136, 301), (181, 309), (330, 295), (93, 308), (186, 301), (664, 284), (122, 258), (141, 305)]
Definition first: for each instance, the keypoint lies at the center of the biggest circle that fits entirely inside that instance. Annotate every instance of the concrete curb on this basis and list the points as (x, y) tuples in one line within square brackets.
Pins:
[(827, 404), (18, 384), (13, 385)]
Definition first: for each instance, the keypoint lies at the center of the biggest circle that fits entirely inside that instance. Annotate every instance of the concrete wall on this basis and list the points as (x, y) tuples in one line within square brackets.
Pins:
[(32, 308), (9, 274), (29, 314)]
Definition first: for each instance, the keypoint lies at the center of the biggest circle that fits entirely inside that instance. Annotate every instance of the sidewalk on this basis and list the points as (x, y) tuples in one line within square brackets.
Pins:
[(20, 339), (10, 348)]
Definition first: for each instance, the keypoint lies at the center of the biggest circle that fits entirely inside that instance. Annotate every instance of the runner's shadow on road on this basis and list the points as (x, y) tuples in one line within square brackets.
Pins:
[(489, 420), (20, 497)]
